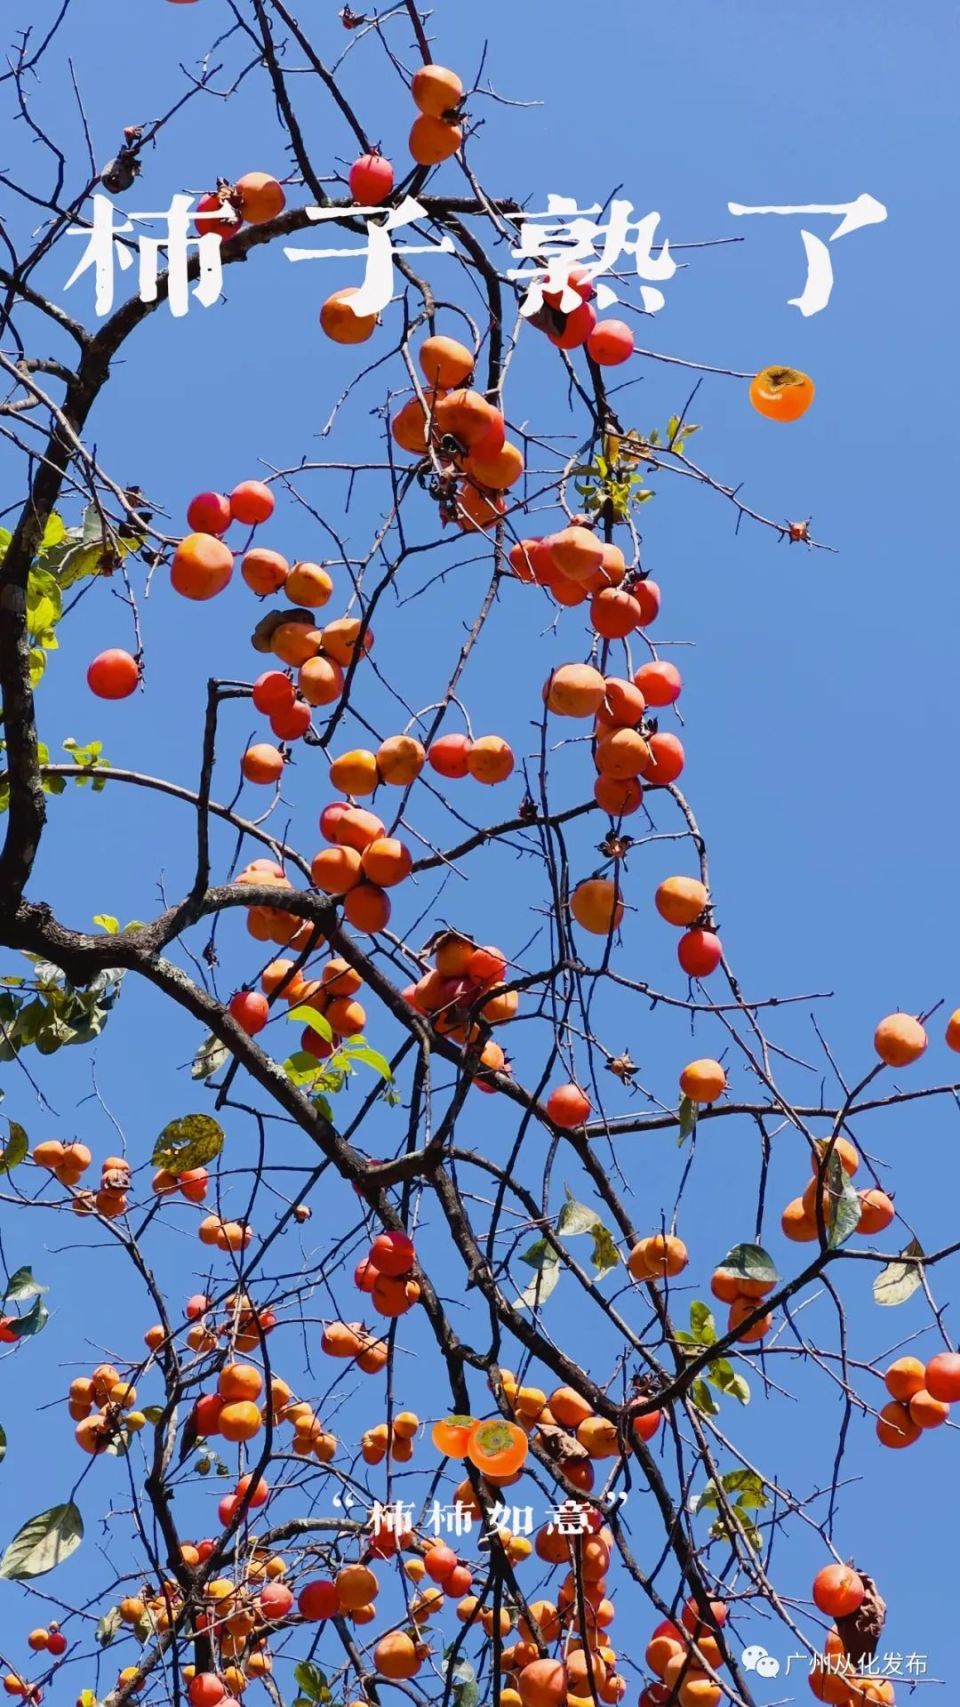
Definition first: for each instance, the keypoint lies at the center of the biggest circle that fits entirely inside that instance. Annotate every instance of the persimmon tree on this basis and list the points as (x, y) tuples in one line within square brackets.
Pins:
[(430, 1290)]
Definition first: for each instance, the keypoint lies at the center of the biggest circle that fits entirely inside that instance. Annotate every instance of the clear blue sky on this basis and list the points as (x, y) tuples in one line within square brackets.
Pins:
[(818, 709)]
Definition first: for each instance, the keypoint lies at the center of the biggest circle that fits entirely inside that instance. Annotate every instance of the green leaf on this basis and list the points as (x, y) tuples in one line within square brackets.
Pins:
[(543, 1258), (747, 1485), (704, 1399), (53, 532), (729, 1380), (844, 1206), (707, 1500), (107, 923), (15, 1149), (85, 550), (703, 1328), (44, 603), (210, 1057), (538, 1253), (43, 1542), (189, 1142), (107, 1627), (745, 1481), (721, 1529), (575, 1217), (751, 1262), (369, 1057), (466, 1690), (687, 1118), (604, 1255), (302, 1068), (35, 1320), (311, 1681), (316, 1022), (23, 1286), (89, 756), (899, 1280), (92, 528)]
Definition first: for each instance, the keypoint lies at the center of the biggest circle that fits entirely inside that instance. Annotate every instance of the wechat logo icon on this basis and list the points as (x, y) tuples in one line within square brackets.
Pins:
[(757, 1659)]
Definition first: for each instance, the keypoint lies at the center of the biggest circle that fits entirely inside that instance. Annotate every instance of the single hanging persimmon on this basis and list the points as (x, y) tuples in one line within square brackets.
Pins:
[(291, 722), (647, 595), (262, 763), (448, 755), (201, 566), (469, 418), (476, 510), (781, 393), (209, 512), (386, 862), (216, 214), (264, 571), (666, 759), (576, 329), (499, 471), (308, 584), (371, 179), (393, 1253), (354, 772), (490, 759), (699, 952), (576, 552), (876, 1211), (659, 682), (621, 754), (432, 141), (899, 1040), (341, 323), (838, 1590), (400, 759), (320, 681), (367, 908), (436, 90), (113, 674), (273, 691), (610, 343), (596, 905), (259, 197), (345, 636), (942, 1376), (567, 1106), (623, 705), (497, 1447), (250, 1010), (445, 363), (703, 1081), (620, 796), (574, 690), (410, 425), (681, 900), (614, 614), (251, 502)]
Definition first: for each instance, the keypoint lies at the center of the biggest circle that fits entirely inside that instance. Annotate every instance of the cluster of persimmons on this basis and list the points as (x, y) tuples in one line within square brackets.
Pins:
[(554, 1652)]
